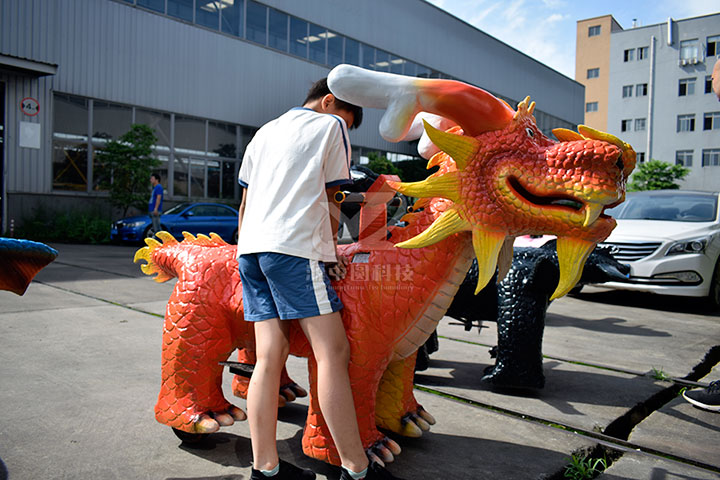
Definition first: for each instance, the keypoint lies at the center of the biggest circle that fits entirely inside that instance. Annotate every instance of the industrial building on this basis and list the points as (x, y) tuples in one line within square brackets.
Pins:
[(650, 86), (205, 74)]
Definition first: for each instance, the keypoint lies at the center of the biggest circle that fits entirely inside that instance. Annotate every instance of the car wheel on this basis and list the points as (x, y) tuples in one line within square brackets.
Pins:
[(714, 294), (148, 233)]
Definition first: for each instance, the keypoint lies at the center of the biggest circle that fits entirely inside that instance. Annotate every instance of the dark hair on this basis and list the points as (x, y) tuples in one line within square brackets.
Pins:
[(320, 88), (156, 175)]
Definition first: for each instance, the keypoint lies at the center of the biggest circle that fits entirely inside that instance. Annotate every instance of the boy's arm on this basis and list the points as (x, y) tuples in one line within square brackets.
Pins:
[(338, 270), (157, 204), (241, 209)]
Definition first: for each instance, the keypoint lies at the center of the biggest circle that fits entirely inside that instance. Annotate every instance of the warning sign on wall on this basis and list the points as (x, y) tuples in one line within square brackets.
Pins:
[(29, 106)]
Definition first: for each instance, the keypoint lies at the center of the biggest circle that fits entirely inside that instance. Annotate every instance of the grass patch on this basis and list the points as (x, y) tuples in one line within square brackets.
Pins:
[(582, 466), (65, 227)]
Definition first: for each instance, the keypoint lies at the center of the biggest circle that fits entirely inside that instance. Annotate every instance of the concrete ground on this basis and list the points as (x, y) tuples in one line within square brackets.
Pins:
[(80, 373)]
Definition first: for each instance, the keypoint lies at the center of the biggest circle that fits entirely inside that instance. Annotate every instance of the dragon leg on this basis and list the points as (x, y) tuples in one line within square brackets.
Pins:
[(289, 390), (195, 339), (395, 407)]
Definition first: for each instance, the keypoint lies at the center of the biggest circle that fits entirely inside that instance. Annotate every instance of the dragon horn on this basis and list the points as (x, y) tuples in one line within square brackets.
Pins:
[(474, 109)]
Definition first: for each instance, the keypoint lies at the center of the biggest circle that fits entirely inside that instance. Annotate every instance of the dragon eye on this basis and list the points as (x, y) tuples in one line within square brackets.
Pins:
[(530, 132)]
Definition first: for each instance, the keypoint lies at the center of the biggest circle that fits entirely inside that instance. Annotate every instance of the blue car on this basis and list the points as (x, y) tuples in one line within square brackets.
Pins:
[(195, 218)]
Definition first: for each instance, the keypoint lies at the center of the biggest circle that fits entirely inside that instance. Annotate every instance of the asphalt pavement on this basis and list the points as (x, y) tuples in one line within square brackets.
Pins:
[(80, 374)]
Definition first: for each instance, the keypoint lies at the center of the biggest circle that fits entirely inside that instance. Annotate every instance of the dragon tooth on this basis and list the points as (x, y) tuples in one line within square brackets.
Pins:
[(487, 247), (592, 212), (572, 254)]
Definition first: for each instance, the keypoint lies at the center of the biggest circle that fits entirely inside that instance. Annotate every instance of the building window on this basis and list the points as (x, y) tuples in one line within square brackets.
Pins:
[(182, 9), (684, 158), (639, 124), (686, 123), (593, 73), (711, 157), (642, 53), (156, 5), (231, 18), (627, 91), (628, 55), (70, 142), (207, 14), (686, 86), (711, 121), (352, 51), (382, 60), (713, 46), (316, 39), (641, 90), (594, 31), (591, 107), (625, 125), (256, 22), (278, 30), (335, 47), (298, 37), (708, 84), (368, 56), (640, 156), (689, 51)]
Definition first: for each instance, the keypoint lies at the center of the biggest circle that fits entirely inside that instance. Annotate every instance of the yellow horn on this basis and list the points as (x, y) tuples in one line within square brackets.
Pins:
[(446, 186), (461, 148), (565, 135), (445, 225), (589, 132), (572, 254)]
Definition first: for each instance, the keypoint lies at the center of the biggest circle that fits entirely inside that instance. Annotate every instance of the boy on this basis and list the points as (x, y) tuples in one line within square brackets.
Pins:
[(156, 201), (287, 236)]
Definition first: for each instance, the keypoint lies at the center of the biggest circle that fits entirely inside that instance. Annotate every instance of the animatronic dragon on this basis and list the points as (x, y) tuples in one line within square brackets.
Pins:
[(499, 177), (20, 261)]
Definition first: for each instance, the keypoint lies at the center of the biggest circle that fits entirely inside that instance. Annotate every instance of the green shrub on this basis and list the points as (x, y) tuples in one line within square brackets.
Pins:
[(66, 227)]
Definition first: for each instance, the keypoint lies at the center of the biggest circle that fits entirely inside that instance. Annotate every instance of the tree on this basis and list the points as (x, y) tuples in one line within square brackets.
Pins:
[(381, 165), (657, 175), (125, 166)]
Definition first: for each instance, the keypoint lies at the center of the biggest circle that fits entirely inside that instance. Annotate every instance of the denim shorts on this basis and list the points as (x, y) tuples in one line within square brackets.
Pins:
[(282, 286)]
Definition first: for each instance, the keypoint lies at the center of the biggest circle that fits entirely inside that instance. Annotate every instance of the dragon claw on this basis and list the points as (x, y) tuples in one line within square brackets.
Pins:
[(383, 451), (425, 415), (289, 392), (206, 424)]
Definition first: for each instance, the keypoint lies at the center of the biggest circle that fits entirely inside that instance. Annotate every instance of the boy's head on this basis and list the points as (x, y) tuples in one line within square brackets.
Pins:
[(154, 178), (320, 99)]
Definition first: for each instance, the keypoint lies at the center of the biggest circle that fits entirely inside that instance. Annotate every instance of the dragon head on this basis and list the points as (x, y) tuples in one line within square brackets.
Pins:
[(508, 179)]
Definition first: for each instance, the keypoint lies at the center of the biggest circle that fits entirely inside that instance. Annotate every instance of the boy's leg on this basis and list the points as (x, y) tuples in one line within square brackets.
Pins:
[(330, 347), (272, 348)]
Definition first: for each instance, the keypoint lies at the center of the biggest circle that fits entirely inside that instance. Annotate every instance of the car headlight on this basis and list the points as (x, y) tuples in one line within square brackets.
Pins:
[(696, 245), (139, 223)]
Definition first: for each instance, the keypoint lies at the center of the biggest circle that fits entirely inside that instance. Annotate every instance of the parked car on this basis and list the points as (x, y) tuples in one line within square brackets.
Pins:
[(195, 218), (671, 240)]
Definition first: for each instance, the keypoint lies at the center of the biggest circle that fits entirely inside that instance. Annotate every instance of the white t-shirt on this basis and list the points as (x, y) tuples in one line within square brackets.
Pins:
[(286, 168)]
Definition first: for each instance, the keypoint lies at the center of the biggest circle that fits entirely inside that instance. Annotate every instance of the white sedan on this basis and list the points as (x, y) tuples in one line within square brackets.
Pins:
[(671, 240)]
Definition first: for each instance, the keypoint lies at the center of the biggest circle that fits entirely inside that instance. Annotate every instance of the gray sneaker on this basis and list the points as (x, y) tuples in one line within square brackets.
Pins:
[(706, 398)]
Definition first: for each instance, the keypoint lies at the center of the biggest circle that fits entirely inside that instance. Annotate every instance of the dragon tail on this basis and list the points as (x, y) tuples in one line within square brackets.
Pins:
[(162, 257)]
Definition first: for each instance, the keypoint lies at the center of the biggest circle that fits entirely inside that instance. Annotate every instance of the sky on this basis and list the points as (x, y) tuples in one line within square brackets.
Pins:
[(545, 29)]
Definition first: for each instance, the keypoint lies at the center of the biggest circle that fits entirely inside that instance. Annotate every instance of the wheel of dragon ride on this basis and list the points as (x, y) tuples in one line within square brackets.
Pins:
[(190, 438)]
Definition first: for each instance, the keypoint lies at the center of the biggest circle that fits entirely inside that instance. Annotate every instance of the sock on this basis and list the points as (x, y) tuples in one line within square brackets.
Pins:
[(271, 473), (356, 475)]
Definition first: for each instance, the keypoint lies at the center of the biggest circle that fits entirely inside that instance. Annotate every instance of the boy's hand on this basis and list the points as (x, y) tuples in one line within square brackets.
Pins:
[(337, 271)]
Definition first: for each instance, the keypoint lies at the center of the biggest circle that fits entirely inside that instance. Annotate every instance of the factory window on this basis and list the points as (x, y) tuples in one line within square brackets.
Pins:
[(593, 72), (298, 37), (222, 148), (256, 22), (711, 157), (689, 50), (684, 158), (708, 84), (591, 107), (382, 61), (156, 5), (335, 49), (410, 68), (207, 13), (316, 40), (182, 9), (640, 157), (231, 18), (278, 30), (628, 55), (368, 56), (627, 91), (711, 121), (713, 46), (352, 51), (625, 125), (641, 89), (594, 31), (686, 123), (639, 124), (686, 86), (642, 53), (70, 142), (423, 72)]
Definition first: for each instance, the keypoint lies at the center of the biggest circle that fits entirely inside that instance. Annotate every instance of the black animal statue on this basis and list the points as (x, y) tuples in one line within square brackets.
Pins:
[(519, 304)]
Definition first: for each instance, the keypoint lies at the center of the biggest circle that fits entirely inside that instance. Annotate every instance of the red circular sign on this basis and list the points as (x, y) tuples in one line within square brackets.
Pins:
[(29, 106)]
